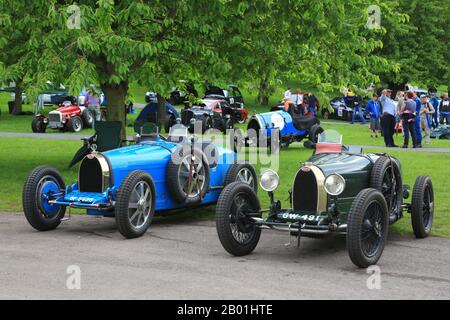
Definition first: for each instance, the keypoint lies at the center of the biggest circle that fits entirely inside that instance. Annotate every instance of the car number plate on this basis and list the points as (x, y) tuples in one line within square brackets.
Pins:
[(340, 111), (302, 218)]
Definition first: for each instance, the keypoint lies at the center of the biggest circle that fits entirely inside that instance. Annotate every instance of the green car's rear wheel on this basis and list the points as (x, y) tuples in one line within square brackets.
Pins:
[(367, 228), (237, 233)]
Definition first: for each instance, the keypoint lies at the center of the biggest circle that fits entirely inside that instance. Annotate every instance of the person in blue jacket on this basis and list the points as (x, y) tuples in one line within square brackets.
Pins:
[(373, 108), (417, 126), (435, 103)]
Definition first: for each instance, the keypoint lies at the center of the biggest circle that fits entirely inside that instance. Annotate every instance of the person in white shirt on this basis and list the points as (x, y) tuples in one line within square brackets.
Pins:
[(288, 93)]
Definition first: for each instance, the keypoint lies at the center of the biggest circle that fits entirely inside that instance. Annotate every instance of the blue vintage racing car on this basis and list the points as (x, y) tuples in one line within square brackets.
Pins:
[(282, 126), (132, 183)]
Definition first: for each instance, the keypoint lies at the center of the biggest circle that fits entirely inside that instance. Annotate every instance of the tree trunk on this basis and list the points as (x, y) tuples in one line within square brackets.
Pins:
[(263, 92), (115, 95), (18, 97), (161, 112)]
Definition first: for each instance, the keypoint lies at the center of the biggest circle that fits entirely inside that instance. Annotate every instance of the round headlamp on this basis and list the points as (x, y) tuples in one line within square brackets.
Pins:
[(269, 180), (334, 184)]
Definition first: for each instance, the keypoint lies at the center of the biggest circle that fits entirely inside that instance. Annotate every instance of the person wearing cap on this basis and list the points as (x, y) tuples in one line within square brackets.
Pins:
[(435, 103), (388, 119), (426, 115), (417, 126)]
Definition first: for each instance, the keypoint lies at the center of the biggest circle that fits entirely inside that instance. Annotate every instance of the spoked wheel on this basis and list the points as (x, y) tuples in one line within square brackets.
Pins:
[(88, 118), (188, 175), (422, 207), (367, 228), (236, 205), (75, 124), (135, 205), (387, 179), (42, 185), (242, 172)]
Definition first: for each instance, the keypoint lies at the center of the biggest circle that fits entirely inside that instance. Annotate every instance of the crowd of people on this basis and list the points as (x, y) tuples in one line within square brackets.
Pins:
[(417, 115), (305, 103), (413, 115)]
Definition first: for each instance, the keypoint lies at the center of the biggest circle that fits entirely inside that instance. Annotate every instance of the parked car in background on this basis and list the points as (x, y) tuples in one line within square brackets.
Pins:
[(212, 114), (179, 96), (231, 94), (68, 117), (339, 110)]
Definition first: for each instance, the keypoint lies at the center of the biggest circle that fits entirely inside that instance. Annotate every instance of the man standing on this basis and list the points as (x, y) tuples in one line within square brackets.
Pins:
[(444, 110), (417, 127), (426, 114), (298, 101), (355, 102), (288, 93), (435, 103), (373, 108), (388, 118)]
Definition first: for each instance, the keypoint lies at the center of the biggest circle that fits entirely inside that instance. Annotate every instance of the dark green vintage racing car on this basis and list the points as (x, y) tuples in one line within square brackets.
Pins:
[(337, 191)]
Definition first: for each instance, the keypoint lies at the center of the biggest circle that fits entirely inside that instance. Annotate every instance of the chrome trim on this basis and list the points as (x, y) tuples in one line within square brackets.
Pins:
[(322, 196), (106, 174)]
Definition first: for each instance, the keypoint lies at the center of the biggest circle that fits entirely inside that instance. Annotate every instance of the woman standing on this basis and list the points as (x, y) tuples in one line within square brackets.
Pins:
[(408, 116)]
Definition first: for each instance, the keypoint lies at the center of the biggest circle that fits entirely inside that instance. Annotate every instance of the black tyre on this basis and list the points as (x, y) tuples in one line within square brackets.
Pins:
[(237, 233), (88, 118), (207, 124), (386, 178), (422, 207), (314, 133), (188, 175), (135, 204), (367, 228), (242, 172), (75, 124), (228, 124), (38, 125), (41, 182), (170, 121)]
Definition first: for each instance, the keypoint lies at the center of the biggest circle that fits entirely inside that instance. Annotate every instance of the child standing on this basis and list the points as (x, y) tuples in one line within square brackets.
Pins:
[(373, 108)]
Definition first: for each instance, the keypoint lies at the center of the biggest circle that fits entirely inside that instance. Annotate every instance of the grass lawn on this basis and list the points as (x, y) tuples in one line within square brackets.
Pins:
[(20, 155)]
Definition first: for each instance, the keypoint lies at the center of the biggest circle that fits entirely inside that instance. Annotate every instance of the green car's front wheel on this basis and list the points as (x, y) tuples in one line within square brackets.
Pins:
[(135, 204), (237, 233), (41, 184), (367, 228)]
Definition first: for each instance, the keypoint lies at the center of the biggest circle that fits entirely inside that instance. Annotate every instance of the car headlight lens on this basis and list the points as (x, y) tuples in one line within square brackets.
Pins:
[(334, 184), (269, 180)]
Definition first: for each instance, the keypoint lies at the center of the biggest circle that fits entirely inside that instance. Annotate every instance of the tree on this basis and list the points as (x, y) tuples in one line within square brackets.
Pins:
[(123, 41), (419, 45)]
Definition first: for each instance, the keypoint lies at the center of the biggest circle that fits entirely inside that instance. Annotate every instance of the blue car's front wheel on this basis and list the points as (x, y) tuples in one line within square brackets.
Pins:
[(42, 185), (135, 205)]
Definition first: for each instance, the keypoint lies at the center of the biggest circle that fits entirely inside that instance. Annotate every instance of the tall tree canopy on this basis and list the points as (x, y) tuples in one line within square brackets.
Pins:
[(323, 43)]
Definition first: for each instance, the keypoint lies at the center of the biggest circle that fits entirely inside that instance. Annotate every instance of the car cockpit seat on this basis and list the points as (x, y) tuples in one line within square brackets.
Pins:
[(301, 122)]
